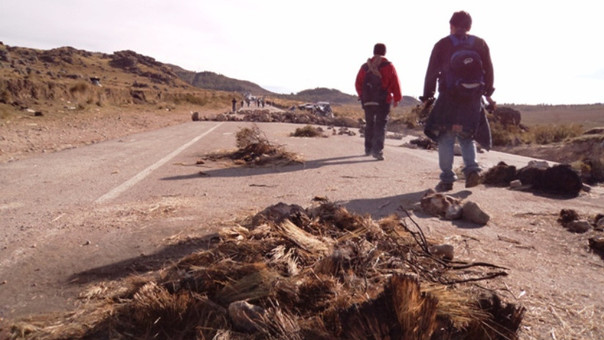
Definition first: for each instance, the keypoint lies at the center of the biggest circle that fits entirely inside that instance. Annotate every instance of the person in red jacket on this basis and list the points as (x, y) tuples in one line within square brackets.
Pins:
[(378, 88)]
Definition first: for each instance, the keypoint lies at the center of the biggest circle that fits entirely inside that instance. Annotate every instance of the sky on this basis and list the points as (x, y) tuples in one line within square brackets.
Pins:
[(542, 52)]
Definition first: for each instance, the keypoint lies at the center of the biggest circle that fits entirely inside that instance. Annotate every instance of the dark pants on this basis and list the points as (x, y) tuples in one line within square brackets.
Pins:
[(376, 118)]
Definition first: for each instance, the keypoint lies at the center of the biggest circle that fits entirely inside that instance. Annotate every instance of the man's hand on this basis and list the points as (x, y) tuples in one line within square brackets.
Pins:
[(492, 105), (394, 104), (426, 104), (426, 99)]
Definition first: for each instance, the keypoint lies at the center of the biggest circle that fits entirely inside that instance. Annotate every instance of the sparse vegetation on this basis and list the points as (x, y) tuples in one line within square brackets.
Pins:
[(503, 135), (552, 133), (79, 87), (511, 135), (192, 99)]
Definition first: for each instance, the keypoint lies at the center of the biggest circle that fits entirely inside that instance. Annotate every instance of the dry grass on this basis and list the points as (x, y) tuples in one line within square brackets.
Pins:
[(254, 149), (293, 273), (552, 133), (308, 131), (588, 116)]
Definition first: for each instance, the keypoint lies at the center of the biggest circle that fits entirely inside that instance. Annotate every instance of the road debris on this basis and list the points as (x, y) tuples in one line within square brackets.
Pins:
[(295, 273)]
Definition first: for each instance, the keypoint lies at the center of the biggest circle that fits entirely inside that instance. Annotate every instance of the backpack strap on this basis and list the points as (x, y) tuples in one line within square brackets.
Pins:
[(467, 40), (375, 69)]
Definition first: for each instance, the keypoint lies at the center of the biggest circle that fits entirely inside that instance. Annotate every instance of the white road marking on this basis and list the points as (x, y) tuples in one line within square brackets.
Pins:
[(141, 175)]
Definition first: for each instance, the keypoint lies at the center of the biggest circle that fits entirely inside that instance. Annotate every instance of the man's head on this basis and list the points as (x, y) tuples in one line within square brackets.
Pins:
[(379, 49), (461, 22)]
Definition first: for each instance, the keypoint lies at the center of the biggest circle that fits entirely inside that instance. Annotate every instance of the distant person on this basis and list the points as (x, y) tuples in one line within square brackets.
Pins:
[(378, 88), (234, 104), (462, 65)]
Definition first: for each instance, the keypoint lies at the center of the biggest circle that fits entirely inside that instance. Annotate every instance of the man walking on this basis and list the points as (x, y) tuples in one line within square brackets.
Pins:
[(378, 87), (462, 65)]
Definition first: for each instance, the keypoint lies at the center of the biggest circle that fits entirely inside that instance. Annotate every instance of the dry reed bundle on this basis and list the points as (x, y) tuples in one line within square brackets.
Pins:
[(294, 273), (254, 149)]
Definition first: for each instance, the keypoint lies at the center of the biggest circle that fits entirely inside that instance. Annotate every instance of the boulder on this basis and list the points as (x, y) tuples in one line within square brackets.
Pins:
[(578, 226), (507, 116), (473, 213)]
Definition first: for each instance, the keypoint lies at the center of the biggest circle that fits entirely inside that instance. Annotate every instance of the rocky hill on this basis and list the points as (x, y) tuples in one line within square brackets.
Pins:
[(337, 97), (213, 81), (70, 79), (67, 77)]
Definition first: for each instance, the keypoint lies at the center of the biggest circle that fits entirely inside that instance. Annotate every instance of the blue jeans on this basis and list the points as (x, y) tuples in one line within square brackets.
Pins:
[(376, 118), (446, 143)]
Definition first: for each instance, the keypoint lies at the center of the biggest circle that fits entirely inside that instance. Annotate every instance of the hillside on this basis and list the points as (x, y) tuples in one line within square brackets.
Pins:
[(67, 79), (337, 97), (213, 81)]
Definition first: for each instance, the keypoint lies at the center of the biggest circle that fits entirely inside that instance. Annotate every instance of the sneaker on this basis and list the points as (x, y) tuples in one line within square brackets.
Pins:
[(473, 179), (442, 187), (378, 156)]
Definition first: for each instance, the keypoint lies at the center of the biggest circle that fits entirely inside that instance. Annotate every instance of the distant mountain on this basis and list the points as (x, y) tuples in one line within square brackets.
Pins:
[(213, 81), (327, 95), (337, 97)]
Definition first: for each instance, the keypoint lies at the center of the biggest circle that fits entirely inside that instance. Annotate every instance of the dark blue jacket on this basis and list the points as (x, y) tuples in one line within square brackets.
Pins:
[(448, 110)]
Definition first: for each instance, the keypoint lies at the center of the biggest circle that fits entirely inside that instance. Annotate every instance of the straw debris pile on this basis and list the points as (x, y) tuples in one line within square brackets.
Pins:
[(308, 131), (254, 149), (295, 273)]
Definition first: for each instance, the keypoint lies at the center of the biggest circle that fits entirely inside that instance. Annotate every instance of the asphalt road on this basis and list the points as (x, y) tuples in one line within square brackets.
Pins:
[(75, 217)]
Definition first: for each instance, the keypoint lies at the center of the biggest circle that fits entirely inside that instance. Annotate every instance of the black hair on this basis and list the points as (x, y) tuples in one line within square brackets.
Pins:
[(461, 19), (380, 49)]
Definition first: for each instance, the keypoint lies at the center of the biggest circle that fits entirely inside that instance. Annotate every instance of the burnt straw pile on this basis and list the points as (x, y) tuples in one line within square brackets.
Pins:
[(537, 176), (298, 273)]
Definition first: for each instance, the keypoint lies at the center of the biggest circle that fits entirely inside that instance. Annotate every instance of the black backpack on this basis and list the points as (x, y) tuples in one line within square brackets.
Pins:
[(465, 76), (373, 93)]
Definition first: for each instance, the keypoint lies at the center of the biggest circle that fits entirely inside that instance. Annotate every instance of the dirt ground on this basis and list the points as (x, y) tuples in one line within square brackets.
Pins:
[(26, 135), (552, 313)]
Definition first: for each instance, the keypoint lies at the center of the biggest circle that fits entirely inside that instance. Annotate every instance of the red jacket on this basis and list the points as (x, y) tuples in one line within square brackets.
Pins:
[(389, 82)]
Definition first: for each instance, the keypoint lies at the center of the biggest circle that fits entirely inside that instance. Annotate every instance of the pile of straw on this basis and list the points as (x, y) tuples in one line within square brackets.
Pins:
[(295, 273), (254, 149)]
